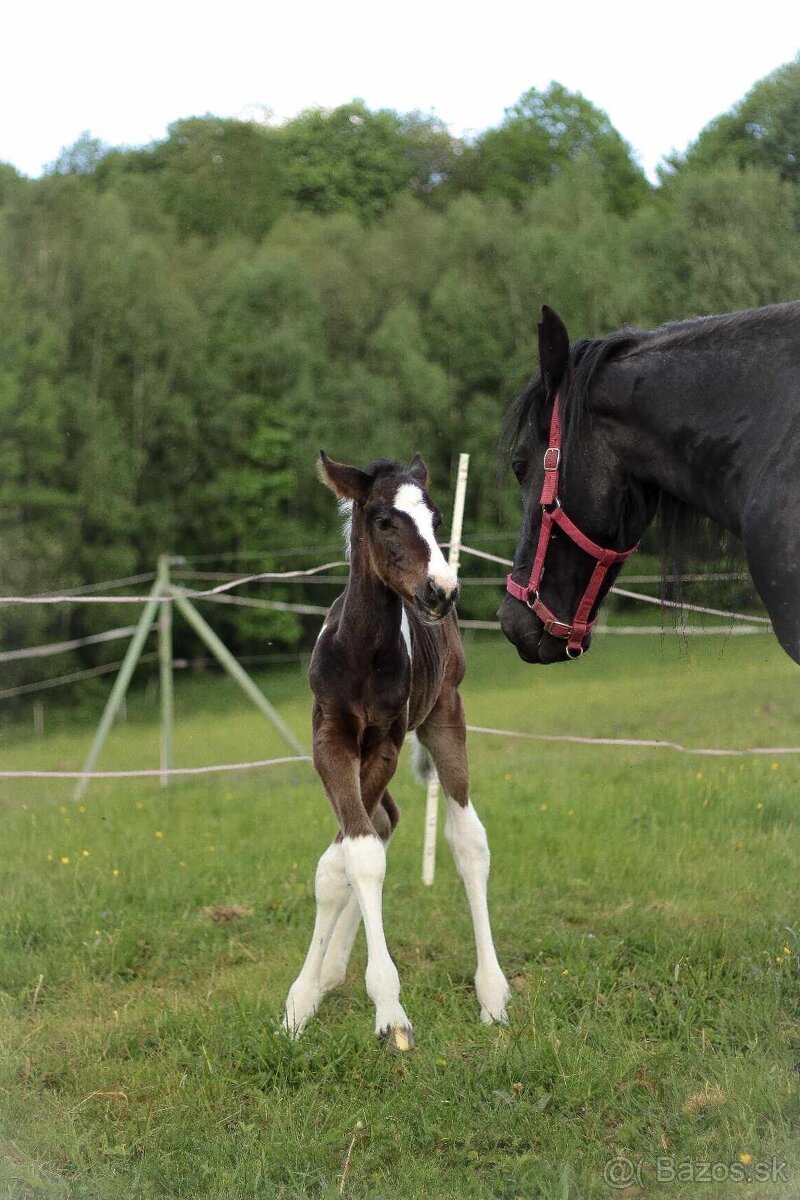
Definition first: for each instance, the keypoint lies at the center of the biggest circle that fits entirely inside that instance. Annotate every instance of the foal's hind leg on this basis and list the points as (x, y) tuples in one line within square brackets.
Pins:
[(444, 736), (334, 965)]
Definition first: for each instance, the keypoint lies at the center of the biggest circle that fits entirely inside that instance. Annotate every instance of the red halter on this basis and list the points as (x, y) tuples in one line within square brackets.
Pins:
[(553, 514)]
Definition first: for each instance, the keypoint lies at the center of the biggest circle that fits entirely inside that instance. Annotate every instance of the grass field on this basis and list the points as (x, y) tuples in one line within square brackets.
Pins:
[(645, 907)]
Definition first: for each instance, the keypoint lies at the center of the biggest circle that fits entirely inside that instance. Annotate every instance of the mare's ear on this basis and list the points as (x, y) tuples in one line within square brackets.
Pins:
[(348, 483), (418, 471), (553, 348)]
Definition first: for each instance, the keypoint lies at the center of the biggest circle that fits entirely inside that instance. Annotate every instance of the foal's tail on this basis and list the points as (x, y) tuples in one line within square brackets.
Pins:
[(421, 761)]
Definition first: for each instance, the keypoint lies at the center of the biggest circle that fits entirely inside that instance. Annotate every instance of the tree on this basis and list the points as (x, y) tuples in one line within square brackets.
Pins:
[(541, 134), (716, 241), (215, 176), (762, 130), (81, 158), (354, 160)]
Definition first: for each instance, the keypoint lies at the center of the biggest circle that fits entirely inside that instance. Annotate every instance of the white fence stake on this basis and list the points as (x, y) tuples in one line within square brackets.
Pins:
[(454, 558)]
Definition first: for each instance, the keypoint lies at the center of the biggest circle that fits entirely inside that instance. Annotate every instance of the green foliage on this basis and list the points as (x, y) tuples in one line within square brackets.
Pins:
[(215, 177), (762, 130), (722, 240), (182, 327), (83, 157), (543, 132), (355, 160)]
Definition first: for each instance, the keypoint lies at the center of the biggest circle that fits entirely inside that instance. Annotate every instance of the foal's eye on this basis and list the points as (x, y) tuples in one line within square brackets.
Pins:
[(383, 523), (519, 466), (436, 520)]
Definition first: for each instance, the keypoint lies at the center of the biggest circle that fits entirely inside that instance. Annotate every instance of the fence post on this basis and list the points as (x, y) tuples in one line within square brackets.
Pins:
[(120, 685), (454, 559), (165, 667), (234, 668)]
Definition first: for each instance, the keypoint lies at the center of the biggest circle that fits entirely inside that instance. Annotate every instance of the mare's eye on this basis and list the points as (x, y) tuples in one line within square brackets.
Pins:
[(383, 523), (519, 466)]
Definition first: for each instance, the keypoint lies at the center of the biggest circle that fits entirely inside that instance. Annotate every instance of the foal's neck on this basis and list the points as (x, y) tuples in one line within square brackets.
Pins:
[(372, 611)]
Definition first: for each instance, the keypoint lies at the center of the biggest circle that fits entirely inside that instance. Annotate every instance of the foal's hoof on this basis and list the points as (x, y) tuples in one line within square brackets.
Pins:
[(398, 1038), (493, 996)]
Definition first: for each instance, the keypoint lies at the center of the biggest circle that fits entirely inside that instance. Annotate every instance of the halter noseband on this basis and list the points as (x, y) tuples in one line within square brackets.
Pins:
[(553, 514)]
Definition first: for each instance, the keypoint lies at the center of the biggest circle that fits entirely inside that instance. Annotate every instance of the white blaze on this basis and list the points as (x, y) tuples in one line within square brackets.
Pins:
[(410, 500)]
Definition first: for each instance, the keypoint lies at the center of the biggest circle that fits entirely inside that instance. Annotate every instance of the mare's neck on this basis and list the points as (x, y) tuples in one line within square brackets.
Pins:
[(372, 613), (686, 428)]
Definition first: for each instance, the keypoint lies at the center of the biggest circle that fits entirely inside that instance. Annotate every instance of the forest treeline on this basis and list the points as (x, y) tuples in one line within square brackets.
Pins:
[(183, 326)]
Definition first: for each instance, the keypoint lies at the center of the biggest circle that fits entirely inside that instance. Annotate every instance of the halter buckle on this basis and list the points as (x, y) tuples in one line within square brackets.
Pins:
[(551, 463), (563, 630)]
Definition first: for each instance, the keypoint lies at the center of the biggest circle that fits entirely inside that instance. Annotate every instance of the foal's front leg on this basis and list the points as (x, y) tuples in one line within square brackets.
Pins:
[(334, 965), (360, 859), (365, 864), (332, 892)]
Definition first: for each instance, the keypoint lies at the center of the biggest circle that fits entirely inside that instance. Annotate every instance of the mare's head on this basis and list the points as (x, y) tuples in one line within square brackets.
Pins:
[(397, 520), (596, 493)]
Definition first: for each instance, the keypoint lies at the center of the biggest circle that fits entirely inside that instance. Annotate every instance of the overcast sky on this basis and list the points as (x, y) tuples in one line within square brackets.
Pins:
[(124, 71)]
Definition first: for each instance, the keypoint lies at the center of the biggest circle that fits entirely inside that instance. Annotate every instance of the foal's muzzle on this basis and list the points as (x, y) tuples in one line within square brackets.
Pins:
[(433, 601)]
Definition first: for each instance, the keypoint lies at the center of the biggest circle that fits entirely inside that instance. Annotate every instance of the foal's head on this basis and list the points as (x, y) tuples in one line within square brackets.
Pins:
[(397, 519)]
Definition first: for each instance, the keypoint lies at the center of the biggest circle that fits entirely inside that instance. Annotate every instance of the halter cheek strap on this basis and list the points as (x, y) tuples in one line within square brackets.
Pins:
[(553, 514)]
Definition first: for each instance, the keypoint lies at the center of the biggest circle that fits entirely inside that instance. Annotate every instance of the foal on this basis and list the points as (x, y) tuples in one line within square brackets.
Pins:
[(388, 659)]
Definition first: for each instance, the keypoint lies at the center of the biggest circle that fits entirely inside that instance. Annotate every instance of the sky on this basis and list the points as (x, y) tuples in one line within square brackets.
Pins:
[(124, 72)]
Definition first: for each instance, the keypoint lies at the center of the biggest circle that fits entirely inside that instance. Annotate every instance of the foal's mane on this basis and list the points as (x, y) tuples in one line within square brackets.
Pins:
[(378, 467)]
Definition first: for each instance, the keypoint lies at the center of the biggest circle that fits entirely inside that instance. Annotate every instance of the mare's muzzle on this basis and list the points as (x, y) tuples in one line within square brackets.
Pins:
[(528, 634)]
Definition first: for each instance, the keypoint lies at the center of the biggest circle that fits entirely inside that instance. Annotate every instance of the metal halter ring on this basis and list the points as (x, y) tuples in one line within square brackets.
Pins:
[(574, 653)]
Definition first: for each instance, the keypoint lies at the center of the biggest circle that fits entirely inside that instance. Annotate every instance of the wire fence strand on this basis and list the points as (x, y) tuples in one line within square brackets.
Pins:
[(156, 771), (642, 743)]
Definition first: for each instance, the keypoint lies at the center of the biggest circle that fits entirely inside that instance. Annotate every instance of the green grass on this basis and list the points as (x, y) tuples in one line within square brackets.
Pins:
[(645, 908)]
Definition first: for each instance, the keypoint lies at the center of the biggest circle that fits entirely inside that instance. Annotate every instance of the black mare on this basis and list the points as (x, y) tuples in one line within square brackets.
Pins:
[(699, 416)]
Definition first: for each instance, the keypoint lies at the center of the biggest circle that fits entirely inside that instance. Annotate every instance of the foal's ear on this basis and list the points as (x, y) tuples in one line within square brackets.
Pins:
[(348, 483), (417, 470), (553, 348)]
